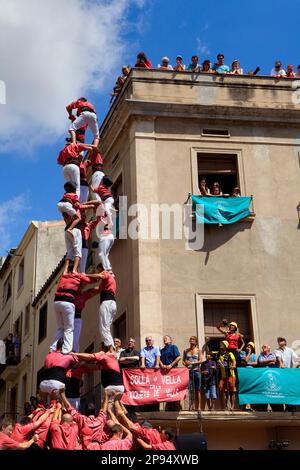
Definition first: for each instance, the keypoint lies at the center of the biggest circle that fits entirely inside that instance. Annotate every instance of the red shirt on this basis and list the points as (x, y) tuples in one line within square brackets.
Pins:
[(79, 105), (83, 177), (7, 443), (108, 283), (43, 429), (86, 229), (166, 445), (117, 444), (150, 436), (233, 340), (96, 161), (23, 433), (72, 198), (94, 423), (81, 299), (70, 154), (63, 436), (58, 359), (144, 65), (71, 282), (107, 361), (103, 192)]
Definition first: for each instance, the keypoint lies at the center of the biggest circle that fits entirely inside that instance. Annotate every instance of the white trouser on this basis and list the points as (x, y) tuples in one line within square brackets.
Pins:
[(67, 208), (84, 255), (95, 183), (107, 313), (47, 386), (105, 244), (71, 173), (86, 118), (108, 206), (65, 313), (75, 402), (114, 388), (73, 244), (76, 334), (84, 194)]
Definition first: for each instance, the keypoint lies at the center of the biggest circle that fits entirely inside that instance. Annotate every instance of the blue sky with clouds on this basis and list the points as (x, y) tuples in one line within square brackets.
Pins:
[(49, 56)]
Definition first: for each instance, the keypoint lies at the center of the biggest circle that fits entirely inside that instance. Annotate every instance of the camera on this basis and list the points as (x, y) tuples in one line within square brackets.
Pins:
[(225, 322)]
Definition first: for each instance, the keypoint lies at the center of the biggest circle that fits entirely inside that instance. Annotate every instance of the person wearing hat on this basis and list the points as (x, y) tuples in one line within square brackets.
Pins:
[(248, 357), (179, 67), (235, 68), (227, 365), (233, 337), (165, 64)]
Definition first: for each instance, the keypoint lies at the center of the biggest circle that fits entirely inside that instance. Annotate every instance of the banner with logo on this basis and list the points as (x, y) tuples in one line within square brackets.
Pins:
[(220, 210), (269, 385), (154, 385)]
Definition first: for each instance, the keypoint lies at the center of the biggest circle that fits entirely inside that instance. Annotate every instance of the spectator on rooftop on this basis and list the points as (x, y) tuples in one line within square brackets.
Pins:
[(125, 71), (206, 66), (216, 190), (179, 67), (290, 71), (298, 72), (165, 64), (220, 67), (194, 66), (278, 71), (235, 68), (117, 88), (142, 61), (204, 189)]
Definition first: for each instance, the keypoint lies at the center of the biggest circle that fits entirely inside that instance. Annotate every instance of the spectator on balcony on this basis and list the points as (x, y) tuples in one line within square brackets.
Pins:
[(194, 66), (220, 67), (278, 71), (233, 337), (117, 88), (130, 357), (206, 66), (209, 379), (216, 189), (248, 357), (7, 442), (236, 192), (267, 358), (142, 61), (165, 64), (286, 356), (236, 68), (118, 348), (290, 71), (169, 358), (192, 358), (204, 189), (150, 354), (227, 364), (179, 67)]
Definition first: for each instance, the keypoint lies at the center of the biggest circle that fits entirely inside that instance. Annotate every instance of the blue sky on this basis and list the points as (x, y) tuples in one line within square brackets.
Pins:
[(42, 73)]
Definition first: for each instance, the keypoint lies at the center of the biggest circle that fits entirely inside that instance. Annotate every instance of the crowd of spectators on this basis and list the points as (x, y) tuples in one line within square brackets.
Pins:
[(206, 66), (216, 189)]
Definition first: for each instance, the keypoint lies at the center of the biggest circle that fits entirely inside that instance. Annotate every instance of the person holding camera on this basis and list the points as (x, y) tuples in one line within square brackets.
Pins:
[(230, 331)]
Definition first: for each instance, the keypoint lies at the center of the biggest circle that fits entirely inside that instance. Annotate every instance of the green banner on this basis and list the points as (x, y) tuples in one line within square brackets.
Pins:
[(269, 385)]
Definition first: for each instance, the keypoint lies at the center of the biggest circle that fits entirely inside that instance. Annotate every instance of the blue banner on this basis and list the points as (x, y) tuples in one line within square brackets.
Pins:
[(220, 210), (269, 385)]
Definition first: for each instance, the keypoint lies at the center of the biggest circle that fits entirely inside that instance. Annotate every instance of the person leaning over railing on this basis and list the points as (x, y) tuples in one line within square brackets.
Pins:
[(169, 358)]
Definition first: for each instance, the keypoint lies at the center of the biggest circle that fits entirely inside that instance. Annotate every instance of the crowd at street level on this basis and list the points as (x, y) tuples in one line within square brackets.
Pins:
[(195, 66)]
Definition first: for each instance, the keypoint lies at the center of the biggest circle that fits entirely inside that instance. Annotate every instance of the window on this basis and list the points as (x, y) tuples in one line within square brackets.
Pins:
[(43, 322), (218, 167), (21, 274), (7, 290), (17, 335), (215, 311), (119, 328), (216, 132), (27, 319)]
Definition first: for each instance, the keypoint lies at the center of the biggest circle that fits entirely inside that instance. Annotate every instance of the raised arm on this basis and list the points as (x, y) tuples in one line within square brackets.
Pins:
[(222, 329), (143, 444), (42, 418), (85, 356), (64, 399), (25, 445)]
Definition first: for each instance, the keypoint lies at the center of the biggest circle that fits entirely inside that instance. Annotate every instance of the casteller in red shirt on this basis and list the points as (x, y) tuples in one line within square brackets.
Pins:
[(63, 435)]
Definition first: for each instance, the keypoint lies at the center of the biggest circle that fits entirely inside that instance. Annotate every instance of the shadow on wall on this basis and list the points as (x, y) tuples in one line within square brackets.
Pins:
[(215, 236)]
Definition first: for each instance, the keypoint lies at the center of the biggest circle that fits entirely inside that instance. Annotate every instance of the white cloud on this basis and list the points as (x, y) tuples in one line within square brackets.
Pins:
[(53, 51), (9, 212), (202, 48)]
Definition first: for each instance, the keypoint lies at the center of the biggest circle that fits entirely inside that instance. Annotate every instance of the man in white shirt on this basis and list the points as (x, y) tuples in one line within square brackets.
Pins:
[(165, 64), (278, 71), (287, 356)]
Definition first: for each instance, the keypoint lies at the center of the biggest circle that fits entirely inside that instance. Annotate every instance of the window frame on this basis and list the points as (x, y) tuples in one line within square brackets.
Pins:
[(40, 339)]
